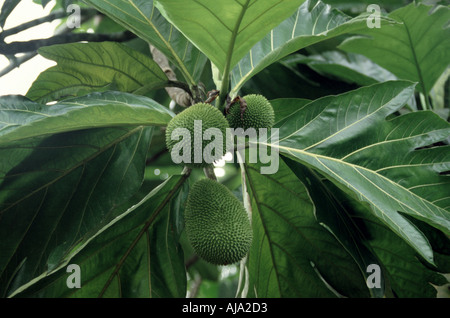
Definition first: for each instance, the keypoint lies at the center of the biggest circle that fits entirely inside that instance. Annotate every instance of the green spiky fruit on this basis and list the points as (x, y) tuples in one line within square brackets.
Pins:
[(258, 114), (216, 223), (192, 118)]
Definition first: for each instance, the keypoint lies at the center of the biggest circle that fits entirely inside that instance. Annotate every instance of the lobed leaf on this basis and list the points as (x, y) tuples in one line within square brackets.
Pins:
[(415, 50), (225, 30), (291, 251), (144, 19), (135, 255), (331, 213), (313, 22), (408, 276), (86, 67), (348, 67), (61, 190), (21, 118), (64, 169), (348, 139)]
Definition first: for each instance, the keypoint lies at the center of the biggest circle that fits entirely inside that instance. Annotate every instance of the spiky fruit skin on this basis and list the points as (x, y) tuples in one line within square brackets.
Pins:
[(258, 114), (210, 117), (216, 223)]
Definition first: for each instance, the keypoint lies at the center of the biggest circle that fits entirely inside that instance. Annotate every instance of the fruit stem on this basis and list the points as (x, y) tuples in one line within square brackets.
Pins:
[(209, 172), (223, 94)]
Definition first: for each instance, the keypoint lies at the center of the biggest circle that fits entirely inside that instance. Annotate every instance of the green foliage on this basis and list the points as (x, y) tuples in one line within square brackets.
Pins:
[(420, 41), (82, 68), (226, 37), (217, 224), (147, 22), (362, 150)]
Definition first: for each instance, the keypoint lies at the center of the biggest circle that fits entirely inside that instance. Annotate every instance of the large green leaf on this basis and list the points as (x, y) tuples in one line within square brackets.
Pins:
[(292, 255), (86, 67), (64, 169), (142, 18), (362, 5), (408, 276), (349, 67), (135, 255), (58, 190), (21, 118), (348, 139), (284, 107), (336, 218), (415, 50), (313, 22), (226, 30)]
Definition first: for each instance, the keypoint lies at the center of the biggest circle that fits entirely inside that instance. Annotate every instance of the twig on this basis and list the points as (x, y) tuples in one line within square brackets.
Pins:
[(209, 172), (16, 62), (33, 45), (58, 14)]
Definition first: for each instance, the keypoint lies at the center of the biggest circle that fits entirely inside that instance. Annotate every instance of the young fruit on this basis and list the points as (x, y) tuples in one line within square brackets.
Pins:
[(216, 223), (192, 118), (257, 114)]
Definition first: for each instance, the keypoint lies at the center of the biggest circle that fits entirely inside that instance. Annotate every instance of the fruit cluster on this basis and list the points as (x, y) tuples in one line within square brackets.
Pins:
[(216, 222)]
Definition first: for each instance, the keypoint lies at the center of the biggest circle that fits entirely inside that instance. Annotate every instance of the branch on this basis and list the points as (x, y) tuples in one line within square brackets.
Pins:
[(86, 15), (33, 45), (16, 62), (58, 14)]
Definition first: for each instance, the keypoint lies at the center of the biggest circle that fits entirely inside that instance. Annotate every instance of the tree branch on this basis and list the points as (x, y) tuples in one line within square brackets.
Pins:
[(16, 62), (58, 14), (33, 45)]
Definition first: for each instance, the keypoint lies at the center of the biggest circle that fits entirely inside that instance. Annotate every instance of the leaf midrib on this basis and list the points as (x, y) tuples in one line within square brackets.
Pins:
[(45, 187), (294, 37), (229, 55), (167, 44), (376, 144), (143, 231), (367, 115), (356, 167), (417, 65)]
